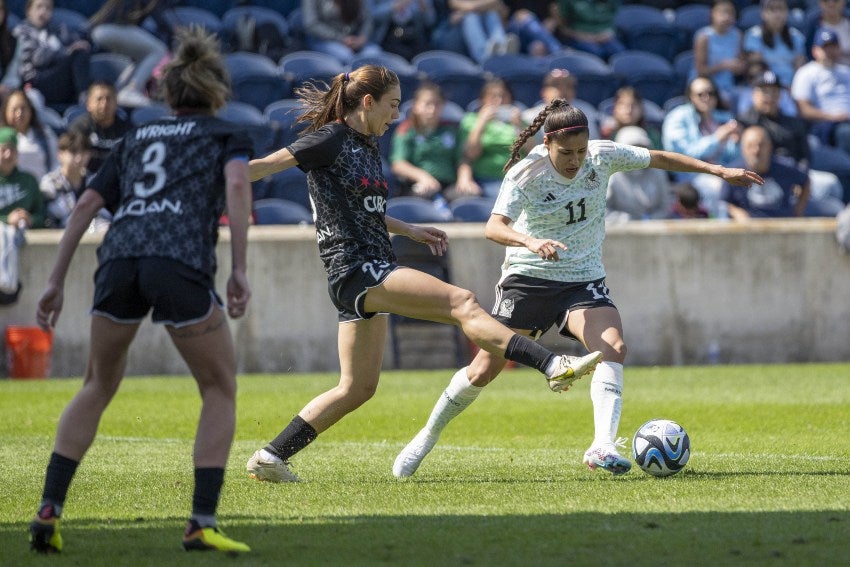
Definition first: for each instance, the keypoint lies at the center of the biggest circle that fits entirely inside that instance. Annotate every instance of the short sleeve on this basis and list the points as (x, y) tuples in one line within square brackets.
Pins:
[(317, 149), (238, 146)]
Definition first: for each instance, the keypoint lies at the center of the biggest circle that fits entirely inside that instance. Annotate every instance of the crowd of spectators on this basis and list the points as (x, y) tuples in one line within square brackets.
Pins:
[(785, 79)]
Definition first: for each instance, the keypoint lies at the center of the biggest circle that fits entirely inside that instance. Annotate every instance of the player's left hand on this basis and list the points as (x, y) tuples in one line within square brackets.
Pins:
[(238, 294), (436, 239), (741, 177)]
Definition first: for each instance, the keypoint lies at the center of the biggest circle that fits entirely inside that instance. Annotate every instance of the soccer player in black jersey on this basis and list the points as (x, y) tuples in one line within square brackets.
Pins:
[(166, 183), (339, 152)]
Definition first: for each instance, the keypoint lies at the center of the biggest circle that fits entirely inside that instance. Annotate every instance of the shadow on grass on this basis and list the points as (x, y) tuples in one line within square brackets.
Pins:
[(745, 538)]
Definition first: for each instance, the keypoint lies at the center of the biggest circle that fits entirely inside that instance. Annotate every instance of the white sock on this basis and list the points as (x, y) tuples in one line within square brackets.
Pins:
[(606, 393), (552, 366), (456, 398)]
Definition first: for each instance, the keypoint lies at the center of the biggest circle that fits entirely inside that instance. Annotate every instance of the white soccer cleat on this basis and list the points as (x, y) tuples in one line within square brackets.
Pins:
[(269, 470), (571, 368), (606, 457), (412, 455)]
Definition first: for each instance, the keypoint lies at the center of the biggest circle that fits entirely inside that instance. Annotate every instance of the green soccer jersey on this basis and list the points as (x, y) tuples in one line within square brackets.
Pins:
[(496, 142), (435, 152)]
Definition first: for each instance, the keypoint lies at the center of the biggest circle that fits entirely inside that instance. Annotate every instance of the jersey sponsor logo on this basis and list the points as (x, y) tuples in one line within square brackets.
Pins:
[(139, 207), (506, 307), (162, 130), (374, 203)]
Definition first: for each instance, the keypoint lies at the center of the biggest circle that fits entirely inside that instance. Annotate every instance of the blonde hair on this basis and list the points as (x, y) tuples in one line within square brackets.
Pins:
[(328, 103), (196, 77)]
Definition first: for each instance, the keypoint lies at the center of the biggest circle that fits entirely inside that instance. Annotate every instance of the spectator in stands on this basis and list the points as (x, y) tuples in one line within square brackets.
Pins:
[(61, 187), (588, 25), (485, 138), (628, 110), (687, 203), (637, 194), (704, 129), (776, 43), (481, 22), (117, 28), (831, 15), (339, 29), (785, 190), (36, 143), (103, 123), (20, 199), (789, 136), (403, 26), (424, 149), (447, 33), (822, 91), (53, 59), (744, 92), (533, 24), (9, 57), (717, 49), (560, 83)]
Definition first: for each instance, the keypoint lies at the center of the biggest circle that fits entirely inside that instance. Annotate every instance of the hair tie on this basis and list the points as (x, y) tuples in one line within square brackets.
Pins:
[(568, 128), (345, 78)]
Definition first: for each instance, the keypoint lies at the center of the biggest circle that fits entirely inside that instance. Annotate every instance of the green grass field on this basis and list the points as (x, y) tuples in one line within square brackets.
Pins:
[(768, 482)]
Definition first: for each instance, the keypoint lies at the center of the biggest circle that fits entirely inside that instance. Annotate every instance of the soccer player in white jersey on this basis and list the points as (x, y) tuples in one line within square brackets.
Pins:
[(550, 214)]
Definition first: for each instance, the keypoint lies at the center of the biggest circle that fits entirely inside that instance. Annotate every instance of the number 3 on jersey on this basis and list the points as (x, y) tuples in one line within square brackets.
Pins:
[(152, 161)]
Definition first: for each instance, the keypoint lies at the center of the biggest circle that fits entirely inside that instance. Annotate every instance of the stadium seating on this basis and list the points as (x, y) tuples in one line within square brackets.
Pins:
[(472, 209), (650, 74), (523, 74), (71, 18), (749, 16), (596, 80), (72, 113), (112, 68), (415, 209), (217, 7), (459, 77), (256, 79), (408, 76), (231, 18), (84, 7), (184, 16), (284, 113), (148, 113), (646, 28), (309, 66), (280, 211), (290, 184), (683, 64)]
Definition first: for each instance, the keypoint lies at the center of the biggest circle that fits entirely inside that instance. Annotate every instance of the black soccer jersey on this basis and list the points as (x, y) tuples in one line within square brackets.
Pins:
[(349, 195), (164, 184)]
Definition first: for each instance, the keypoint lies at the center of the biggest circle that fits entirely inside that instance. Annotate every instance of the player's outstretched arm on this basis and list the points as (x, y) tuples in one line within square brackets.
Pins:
[(672, 161), (272, 163), (436, 239)]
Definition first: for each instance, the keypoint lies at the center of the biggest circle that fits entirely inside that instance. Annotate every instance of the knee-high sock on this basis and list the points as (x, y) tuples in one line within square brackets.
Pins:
[(456, 398), (606, 391)]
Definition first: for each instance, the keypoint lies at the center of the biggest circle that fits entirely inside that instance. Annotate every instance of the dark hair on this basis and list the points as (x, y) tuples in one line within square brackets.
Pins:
[(35, 124), (721, 104), (7, 40), (196, 77), (328, 103), (785, 34), (74, 141), (495, 83), (635, 95), (559, 120)]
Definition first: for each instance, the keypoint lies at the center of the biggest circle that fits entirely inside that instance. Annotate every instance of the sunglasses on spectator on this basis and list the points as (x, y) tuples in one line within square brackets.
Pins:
[(705, 94)]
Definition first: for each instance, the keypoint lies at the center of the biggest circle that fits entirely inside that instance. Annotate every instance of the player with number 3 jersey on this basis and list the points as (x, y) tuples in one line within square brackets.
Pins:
[(550, 214)]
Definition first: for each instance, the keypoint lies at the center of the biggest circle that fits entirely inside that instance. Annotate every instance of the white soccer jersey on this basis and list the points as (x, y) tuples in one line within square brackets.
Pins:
[(545, 204)]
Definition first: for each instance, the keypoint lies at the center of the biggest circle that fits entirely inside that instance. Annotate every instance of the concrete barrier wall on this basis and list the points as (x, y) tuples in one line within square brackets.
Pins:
[(763, 291)]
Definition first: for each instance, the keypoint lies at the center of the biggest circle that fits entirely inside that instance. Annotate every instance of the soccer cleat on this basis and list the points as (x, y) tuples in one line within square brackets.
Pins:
[(271, 470), (44, 532), (571, 368), (606, 457), (412, 455), (197, 538)]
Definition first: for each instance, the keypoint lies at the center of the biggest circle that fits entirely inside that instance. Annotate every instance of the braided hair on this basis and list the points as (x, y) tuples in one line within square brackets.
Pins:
[(558, 119)]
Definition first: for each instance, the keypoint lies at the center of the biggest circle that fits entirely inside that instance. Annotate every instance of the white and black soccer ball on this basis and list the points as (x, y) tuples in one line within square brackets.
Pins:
[(661, 447)]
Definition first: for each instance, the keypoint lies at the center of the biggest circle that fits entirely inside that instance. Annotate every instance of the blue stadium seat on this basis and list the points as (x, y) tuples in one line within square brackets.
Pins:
[(261, 15), (523, 74), (596, 80), (460, 78), (408, 76), (217, 7), (284, 114), (144, 114), (256, 79), (472, 209), (750, 16), (280, 211), (112, 68), (415, 209), (242, 113), (688, 19), (683, 64), (309, 66), (650, 74), (84, 7), (646, 28), (290, 184), (72, 19), (184, 16)]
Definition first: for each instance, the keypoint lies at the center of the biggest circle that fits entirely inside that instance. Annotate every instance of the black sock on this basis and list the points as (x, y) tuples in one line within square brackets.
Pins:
[(525, 351), (297, 435), (60, 472), (208, 482)]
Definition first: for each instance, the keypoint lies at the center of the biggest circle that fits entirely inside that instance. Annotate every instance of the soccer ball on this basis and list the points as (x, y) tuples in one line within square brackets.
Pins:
[(661, 447)]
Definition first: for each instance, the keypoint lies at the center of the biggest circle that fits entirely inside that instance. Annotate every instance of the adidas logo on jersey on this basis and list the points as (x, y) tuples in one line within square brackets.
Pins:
[(549, 198)]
